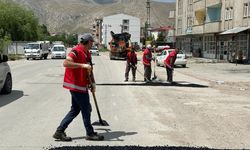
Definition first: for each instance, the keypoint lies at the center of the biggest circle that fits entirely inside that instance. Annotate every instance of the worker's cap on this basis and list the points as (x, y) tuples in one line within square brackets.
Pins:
[(149, 46), (87, 37)]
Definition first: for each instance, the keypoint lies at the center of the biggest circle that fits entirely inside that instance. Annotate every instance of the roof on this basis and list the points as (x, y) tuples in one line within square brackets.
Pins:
[(163, 28), (234, 30)]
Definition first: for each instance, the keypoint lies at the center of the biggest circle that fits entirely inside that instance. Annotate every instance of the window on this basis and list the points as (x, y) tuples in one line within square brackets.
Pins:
[(229, 13), (179, 26), (245, 10), (125, 28), (125, 21), (210, 44), (180, 7), (189, 21), (226, 13)]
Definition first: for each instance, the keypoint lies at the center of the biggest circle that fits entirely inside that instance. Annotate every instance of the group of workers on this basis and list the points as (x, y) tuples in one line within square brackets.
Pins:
[(146, 60), (79, 78)]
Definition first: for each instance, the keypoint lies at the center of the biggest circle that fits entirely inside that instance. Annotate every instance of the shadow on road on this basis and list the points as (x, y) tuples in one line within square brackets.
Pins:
[(158, 83), (6, 99), (110, 135)]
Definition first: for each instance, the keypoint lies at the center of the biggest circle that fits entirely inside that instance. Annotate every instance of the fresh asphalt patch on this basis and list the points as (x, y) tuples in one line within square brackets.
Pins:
[(126, 148)]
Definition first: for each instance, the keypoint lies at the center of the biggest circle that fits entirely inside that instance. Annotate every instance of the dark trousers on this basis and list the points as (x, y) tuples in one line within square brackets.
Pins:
[(169, 74), (133, 68), (147, 72), (80, 103)]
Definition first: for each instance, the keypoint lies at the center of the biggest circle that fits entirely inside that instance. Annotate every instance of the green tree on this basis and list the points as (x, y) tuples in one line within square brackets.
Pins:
[(21, 24), (72, 39), (161, 39)]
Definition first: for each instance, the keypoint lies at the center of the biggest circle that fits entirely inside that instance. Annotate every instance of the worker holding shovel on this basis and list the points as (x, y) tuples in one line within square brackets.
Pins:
[(131, 64), (77, 65), (169, 64), (146, 60)]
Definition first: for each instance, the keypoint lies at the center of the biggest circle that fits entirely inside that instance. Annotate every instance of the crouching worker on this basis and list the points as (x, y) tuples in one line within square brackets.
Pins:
[(131, 64), (77, 65), (169, 64)]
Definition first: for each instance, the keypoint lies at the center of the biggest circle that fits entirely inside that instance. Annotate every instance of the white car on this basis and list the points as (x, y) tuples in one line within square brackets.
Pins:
[(94, 51), (5, 75), (180, 59), (58, 51)]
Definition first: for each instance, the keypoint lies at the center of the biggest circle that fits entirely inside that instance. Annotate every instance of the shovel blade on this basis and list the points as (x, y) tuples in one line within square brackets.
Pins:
[(100, 123)]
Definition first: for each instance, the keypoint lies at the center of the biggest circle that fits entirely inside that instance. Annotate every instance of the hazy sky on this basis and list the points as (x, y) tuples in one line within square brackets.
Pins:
[(164, 0)]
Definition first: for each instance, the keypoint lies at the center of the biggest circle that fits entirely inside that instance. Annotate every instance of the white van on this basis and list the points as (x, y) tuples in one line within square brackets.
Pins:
[(5, 75), (58, 51)]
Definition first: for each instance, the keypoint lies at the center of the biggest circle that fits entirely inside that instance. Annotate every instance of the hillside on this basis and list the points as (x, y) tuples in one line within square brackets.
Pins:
[(78, 15)]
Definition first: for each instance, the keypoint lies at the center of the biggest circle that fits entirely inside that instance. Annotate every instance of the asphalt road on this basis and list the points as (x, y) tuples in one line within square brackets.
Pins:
[(208, 106)]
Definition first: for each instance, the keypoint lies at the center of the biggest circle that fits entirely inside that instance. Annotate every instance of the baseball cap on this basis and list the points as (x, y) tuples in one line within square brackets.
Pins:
[(149, 46), (87, 37)]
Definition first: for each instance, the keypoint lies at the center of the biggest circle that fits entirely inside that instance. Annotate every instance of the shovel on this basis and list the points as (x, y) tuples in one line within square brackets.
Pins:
[(100, 122), (155, 77)]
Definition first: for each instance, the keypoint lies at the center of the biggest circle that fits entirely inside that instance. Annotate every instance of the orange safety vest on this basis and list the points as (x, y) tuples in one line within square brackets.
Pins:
[(167, 60), (146, 61), (132, 58), (76, 79)]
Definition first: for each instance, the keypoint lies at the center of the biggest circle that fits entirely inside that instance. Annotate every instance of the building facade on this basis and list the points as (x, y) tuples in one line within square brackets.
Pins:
[(216, 29), (120, 23)]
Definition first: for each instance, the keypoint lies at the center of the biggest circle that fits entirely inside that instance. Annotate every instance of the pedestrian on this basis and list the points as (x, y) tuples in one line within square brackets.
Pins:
[(146, 60), (131, 64), (77, 66), (169, 64)]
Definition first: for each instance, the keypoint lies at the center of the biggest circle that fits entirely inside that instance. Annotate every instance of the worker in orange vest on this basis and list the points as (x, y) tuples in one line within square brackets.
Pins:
[(146, 60), (77, 66), (169, 64), (131, 64)]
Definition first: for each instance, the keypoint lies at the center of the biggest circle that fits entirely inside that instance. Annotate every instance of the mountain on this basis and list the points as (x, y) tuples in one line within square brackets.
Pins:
[(78, 15)]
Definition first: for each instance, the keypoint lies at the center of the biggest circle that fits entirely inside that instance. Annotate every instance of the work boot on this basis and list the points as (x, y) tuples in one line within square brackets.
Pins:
[(94, 137), (126, 80), (133, 79), (60, 135)]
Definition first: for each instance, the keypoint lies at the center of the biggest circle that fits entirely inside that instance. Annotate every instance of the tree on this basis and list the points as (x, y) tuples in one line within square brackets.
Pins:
[(19, 23), (161, 39)]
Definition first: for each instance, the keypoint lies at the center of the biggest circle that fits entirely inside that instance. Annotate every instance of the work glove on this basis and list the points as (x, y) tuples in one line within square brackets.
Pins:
[(92, 87)]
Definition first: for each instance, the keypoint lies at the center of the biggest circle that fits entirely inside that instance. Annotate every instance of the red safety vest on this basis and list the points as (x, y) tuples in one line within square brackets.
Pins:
[(76, 79), (146, 61), (132, 58), (167, 60)]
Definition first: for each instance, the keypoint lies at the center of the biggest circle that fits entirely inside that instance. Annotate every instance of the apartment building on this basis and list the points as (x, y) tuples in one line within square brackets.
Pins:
[(216, 29)]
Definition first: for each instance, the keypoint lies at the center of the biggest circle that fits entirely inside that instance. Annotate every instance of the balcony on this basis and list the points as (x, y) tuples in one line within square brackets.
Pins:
[(197, 29), (210, 3), (212, 27)]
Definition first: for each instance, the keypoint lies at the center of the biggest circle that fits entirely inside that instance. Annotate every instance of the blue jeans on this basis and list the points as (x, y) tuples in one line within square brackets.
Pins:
[(80, 103)]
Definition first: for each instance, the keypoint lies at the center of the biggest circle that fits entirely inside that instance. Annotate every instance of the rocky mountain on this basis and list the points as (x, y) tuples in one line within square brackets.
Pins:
[(78, 15)]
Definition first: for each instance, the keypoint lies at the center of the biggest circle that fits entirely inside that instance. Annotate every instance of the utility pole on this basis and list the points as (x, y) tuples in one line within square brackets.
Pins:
[(147, 26), (148, 13)]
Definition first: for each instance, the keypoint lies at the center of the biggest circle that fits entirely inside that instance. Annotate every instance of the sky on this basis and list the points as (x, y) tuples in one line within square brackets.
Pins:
[(165, 0)]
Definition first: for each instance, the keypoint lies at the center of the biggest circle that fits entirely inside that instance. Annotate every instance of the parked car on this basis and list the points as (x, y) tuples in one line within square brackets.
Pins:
[(180, 60), (5, 75), (94, 51), (58, 51)]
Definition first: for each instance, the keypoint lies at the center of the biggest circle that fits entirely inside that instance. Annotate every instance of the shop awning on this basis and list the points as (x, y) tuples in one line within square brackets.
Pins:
[(234, 30)]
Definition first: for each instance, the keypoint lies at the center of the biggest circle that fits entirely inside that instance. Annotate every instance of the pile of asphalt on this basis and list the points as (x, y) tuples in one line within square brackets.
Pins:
[(126, 148)]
